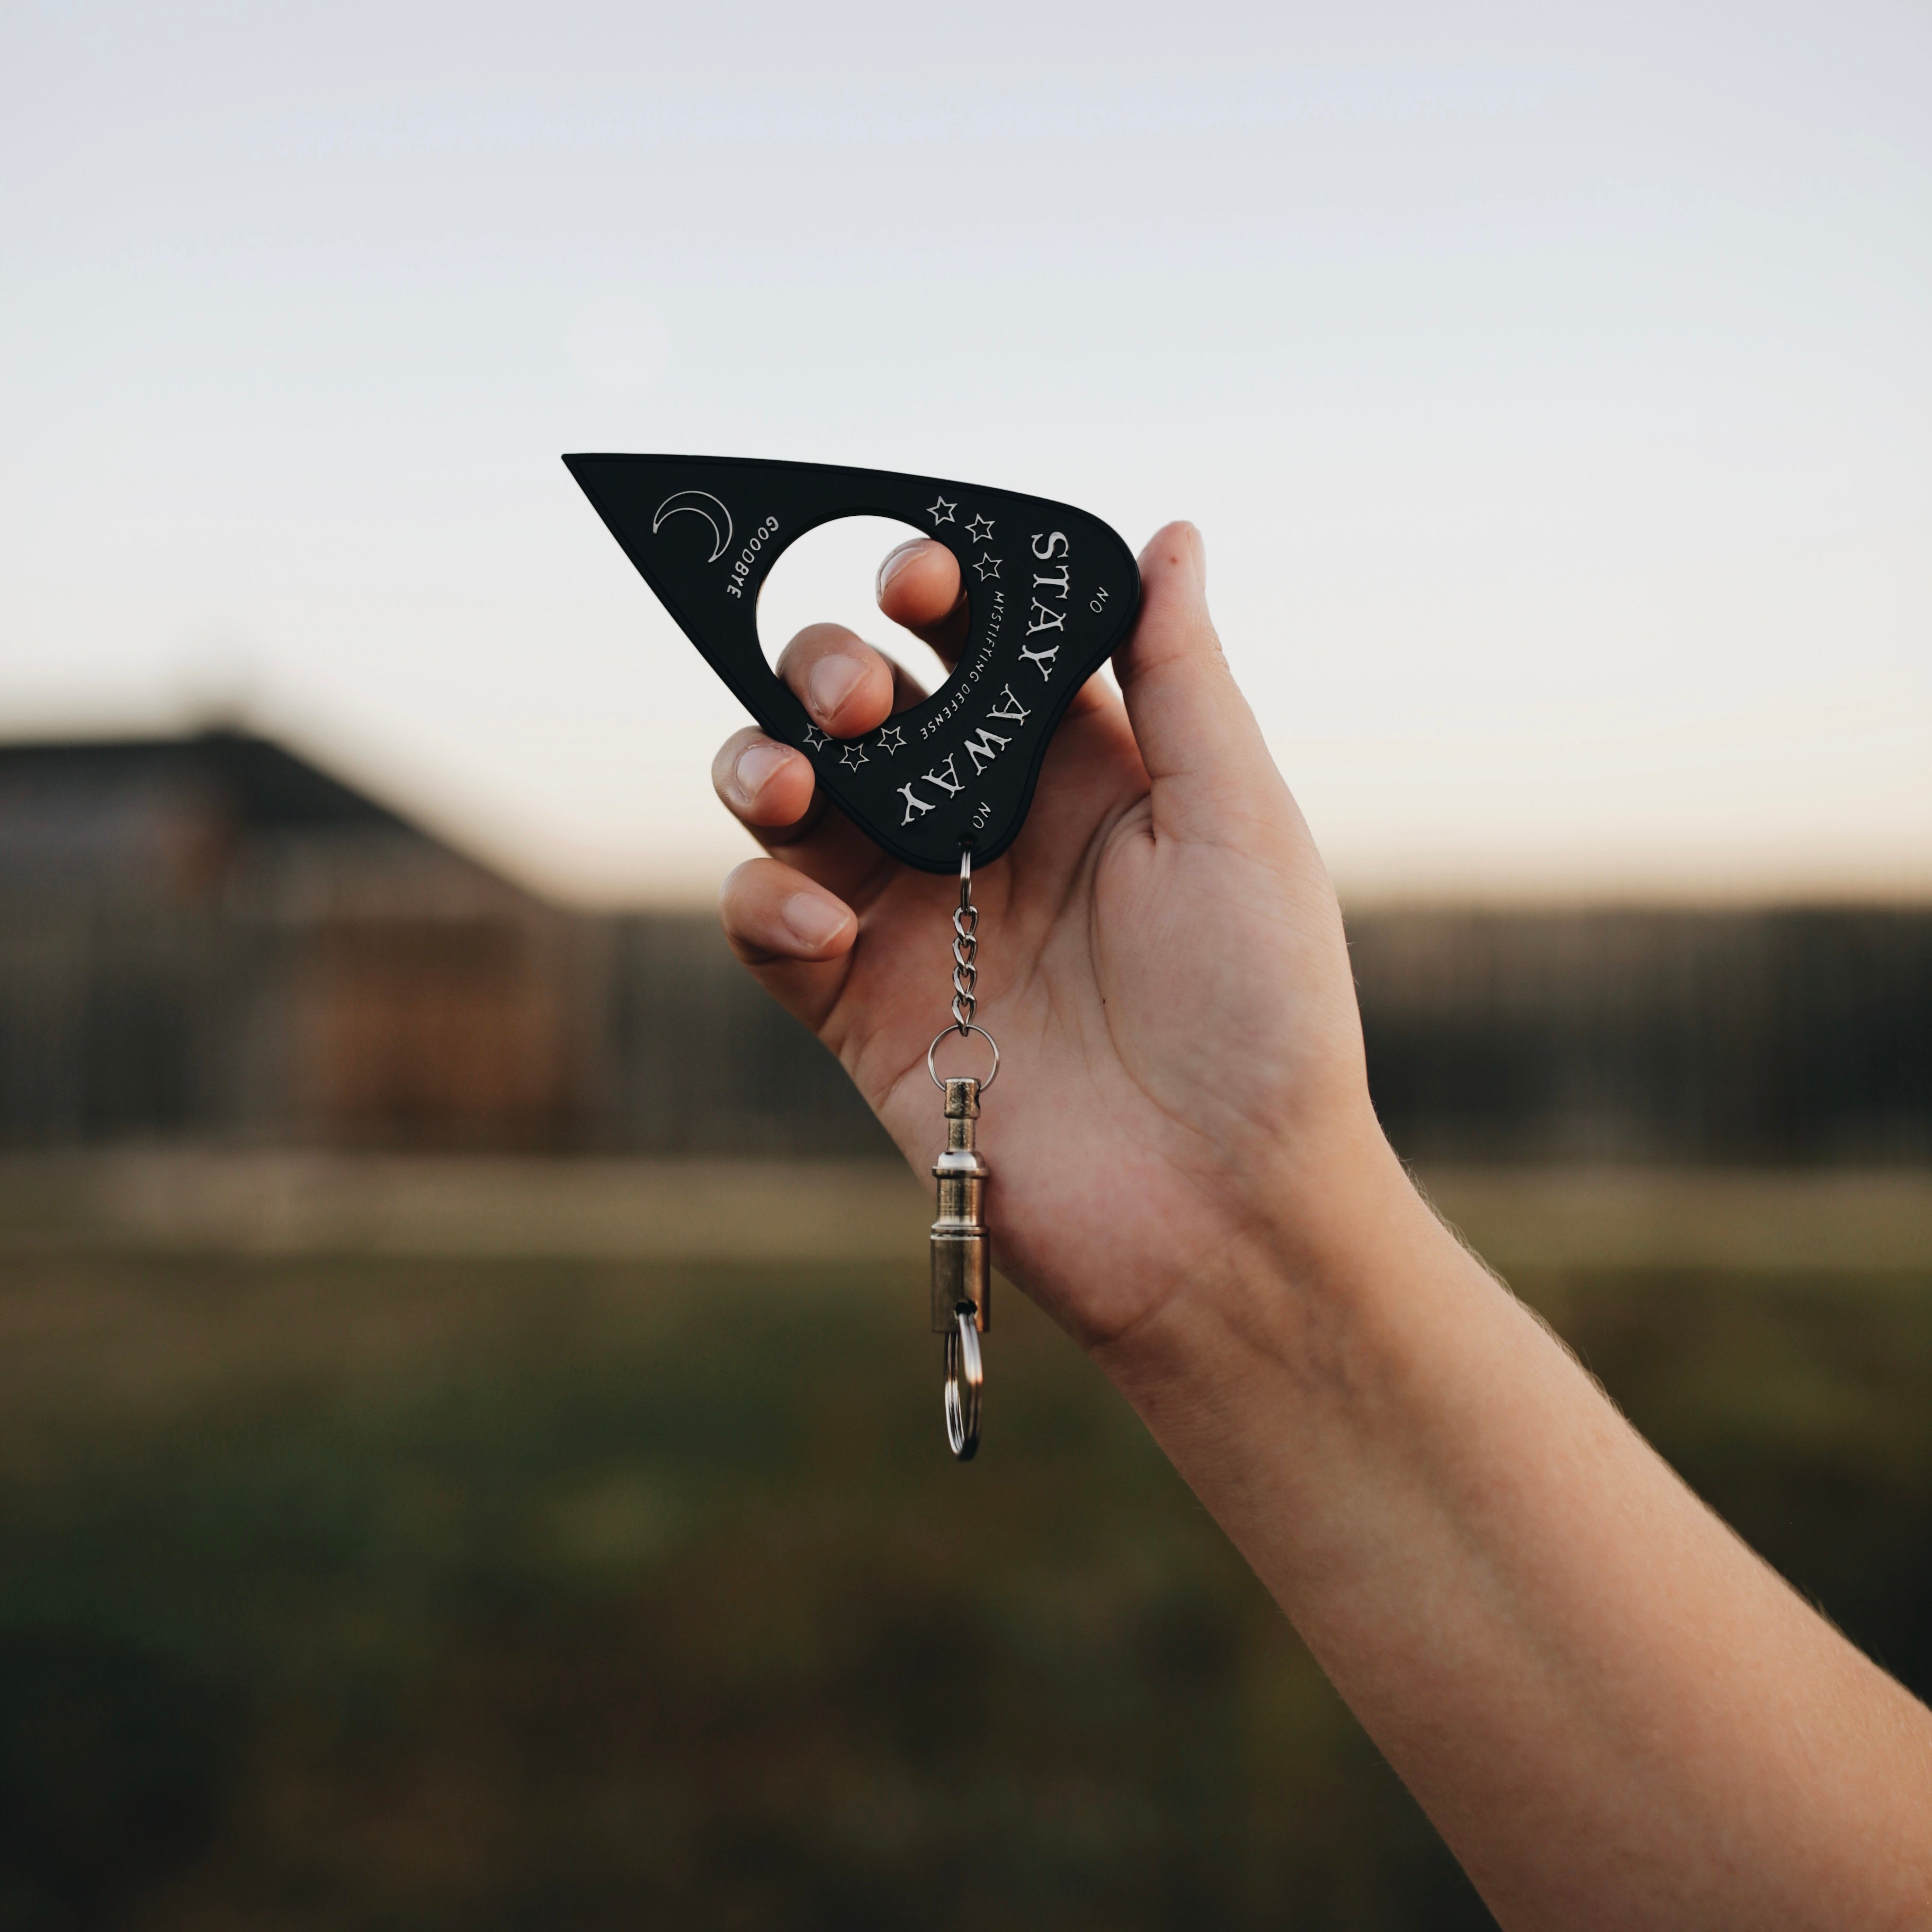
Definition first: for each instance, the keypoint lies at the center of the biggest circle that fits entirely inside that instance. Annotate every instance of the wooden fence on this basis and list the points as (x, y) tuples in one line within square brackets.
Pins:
[(1712, 1037)]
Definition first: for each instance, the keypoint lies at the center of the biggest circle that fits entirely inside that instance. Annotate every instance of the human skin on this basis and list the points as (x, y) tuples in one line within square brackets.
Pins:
[(1616, 1715)]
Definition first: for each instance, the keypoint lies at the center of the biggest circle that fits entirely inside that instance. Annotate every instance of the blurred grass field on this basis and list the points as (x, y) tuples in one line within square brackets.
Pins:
[(524, 1587)]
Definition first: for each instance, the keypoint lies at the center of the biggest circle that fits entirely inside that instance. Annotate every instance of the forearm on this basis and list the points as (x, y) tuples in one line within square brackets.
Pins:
[(1615, 1714)]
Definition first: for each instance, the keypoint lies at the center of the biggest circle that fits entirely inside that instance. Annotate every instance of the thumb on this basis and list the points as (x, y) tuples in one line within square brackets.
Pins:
[(1199, 741)]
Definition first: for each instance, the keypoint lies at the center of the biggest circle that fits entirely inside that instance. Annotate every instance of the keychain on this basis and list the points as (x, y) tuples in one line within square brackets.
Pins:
[(1051, 592), (962, 1279)]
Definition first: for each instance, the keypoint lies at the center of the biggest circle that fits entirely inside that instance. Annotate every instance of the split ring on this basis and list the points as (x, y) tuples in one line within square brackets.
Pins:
[(985, 1085), (965, 1382)]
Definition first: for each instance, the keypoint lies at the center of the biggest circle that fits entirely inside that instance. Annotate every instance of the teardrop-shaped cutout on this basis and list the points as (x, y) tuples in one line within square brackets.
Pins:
[(830, 576)]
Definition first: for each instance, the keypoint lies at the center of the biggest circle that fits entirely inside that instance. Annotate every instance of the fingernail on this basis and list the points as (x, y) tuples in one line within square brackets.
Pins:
[(813, 922), (832, 681), (754, 768), (897, 560)]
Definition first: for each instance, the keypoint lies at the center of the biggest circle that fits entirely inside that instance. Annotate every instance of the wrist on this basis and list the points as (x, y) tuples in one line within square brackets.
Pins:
[(1296, 1295)]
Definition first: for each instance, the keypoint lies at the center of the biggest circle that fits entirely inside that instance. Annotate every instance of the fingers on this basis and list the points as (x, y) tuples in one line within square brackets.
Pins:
[(771, 791), (795, 935), (846, 685), (775, 916), (1200, 742), (766, 786), (847, 688), (919, 586)]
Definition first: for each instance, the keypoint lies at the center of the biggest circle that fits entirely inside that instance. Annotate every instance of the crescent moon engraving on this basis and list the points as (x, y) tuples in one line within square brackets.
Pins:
[(702, 503)]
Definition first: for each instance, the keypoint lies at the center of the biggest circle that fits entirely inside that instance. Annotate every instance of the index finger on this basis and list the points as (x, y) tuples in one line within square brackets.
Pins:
[(919, 587)]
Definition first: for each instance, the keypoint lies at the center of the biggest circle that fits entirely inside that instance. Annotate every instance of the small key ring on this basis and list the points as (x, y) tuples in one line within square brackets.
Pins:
[(945, 1032), (965, 1381)]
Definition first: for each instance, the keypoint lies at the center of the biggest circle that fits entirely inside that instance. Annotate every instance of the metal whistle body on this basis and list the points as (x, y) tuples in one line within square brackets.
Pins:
[(962, 1259)]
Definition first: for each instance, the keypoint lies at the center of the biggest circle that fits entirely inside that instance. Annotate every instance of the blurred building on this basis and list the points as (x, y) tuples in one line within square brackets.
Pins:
[(208, 935), (208, 938)]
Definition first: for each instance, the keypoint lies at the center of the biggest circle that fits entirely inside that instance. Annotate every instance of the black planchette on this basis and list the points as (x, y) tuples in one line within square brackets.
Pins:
[(1052, 591)]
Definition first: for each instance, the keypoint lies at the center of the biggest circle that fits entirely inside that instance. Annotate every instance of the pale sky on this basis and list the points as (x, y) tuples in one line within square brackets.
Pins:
[(1553, 385)]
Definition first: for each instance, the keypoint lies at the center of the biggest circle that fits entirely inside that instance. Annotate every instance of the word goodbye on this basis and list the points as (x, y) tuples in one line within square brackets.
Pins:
[(985, 744)]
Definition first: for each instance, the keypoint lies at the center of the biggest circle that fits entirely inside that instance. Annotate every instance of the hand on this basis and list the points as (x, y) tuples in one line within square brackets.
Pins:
[(1161, 954), (1616, 1715)]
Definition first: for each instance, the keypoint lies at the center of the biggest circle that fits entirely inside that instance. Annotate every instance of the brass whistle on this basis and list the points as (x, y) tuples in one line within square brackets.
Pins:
[(961, 1261)]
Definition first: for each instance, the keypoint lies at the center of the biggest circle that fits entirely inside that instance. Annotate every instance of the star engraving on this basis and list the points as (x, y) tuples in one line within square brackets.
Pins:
[(854, 756), (941, 512), (980, 529), (987, 566), (891, 740), (815, 739)]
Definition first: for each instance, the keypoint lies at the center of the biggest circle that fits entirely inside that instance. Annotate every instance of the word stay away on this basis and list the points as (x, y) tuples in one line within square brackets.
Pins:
[(982, 746)]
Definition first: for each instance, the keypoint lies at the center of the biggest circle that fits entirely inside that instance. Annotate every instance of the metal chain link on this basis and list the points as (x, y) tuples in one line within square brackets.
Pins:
[(961, 1169), (965, 948)]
